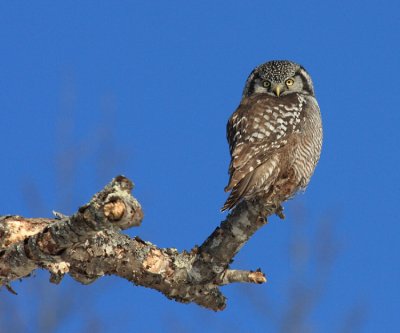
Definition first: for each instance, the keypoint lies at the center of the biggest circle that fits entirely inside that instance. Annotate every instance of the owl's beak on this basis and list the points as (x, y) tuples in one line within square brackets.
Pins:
[(277, 90)]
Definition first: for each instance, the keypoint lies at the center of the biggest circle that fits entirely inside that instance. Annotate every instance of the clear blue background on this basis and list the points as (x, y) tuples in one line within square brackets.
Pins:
[(92, 89)]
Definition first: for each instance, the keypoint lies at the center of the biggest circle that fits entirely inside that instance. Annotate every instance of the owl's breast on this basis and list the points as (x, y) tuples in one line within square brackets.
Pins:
[(306, 150)]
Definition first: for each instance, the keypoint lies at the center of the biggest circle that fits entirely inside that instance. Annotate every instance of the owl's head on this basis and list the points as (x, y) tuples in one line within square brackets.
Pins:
[(278, 78)]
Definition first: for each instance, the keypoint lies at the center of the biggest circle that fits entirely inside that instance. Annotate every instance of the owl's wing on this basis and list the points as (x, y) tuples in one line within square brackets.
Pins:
[(258, 128), (242, 142)]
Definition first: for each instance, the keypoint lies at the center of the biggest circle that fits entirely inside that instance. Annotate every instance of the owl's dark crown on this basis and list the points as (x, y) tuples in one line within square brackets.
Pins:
[(277, 72)]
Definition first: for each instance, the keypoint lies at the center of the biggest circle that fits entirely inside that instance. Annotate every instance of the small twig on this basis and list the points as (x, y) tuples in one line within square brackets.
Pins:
[(10, 289)]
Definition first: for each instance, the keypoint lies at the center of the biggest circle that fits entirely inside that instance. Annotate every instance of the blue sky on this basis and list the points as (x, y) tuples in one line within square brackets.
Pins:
[(100, 88)]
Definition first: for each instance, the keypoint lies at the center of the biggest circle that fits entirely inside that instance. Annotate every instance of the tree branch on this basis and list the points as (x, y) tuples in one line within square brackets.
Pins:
[(89, 245)]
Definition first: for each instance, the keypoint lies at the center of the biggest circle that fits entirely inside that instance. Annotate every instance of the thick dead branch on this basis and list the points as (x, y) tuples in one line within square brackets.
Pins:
[(89, 245)]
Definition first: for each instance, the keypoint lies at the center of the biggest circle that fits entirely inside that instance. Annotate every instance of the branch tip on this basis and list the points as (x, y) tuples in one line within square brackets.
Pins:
[(257, 277), (233, 275)]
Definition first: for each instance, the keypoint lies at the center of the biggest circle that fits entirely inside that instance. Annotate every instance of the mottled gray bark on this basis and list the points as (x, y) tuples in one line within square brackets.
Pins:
[(88, 245)]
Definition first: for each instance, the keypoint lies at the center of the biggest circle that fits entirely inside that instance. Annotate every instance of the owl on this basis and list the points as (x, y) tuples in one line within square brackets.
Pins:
[(274, 136)]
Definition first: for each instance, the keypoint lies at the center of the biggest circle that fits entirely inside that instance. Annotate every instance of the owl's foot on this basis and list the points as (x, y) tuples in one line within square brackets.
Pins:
[(271, 209)]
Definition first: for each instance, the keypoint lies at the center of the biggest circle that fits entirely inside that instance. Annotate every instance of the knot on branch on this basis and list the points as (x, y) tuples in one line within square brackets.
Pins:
[(114, 210)]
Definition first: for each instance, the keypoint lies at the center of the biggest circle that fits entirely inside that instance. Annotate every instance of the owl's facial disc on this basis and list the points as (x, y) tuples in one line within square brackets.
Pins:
[(274, 88), (278, 78), (280, 88)]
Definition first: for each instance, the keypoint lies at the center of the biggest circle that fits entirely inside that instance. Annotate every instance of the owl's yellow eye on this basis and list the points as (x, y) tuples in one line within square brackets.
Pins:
[(289, 82), (266, 84)]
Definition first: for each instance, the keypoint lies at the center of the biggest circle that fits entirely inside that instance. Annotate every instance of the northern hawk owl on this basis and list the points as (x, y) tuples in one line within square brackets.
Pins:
[(274, 136)]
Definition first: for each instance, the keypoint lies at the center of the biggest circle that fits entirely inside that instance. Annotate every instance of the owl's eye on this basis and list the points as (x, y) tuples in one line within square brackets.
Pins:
[(266, 84), (289, 82)]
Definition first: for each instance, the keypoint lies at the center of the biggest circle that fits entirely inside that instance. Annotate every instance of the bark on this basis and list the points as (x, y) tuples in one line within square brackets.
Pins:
[(89, 245)]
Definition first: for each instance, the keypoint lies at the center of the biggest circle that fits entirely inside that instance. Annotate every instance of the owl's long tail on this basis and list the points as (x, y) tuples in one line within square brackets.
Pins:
[(237, 193), (254, 183)]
